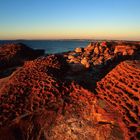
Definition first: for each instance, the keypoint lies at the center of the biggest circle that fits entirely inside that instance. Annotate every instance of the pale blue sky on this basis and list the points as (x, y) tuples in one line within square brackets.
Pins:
[(60, 19)]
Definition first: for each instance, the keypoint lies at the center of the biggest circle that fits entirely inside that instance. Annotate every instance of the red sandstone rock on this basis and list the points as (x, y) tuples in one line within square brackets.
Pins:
[(78, 50), (104, 44), (125, 50), (14, 54), (121, 89), (38, 102), (85, 62), (90, 47)]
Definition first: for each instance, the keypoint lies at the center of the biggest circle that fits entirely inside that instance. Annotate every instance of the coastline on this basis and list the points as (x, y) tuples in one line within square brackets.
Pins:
[(71, 91)]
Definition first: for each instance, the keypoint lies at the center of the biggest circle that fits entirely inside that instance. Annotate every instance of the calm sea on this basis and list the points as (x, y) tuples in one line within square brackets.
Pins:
[(52, 46)]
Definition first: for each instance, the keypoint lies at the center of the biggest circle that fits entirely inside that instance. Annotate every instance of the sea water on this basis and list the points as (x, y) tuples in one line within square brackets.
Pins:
[(51, 46)]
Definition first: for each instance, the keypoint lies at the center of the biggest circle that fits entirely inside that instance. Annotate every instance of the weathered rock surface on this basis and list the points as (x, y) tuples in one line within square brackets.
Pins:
[(85, 62), (99, 53), (78, 50), (60, 97), (121, 89), (37, 103), (125, 50), (15, 54)]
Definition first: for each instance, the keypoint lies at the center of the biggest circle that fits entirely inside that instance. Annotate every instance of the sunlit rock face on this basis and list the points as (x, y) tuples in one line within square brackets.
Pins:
[(100, 53), (74, 95), (94, 54), (125, 50), (79, 50), (31, 87), (121, 89), (37, 103)]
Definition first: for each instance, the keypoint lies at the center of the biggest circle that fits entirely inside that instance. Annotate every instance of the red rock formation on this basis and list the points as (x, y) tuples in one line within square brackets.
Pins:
[(14, 54), (78, 50), (125, 49), (121, 89), (36, 103), (90, 47), (40, 101), (85, 62), (35, 78), (104, 44)]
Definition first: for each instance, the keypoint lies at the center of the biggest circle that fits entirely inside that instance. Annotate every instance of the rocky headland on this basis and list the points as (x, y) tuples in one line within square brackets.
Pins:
[(91, 93), (13, 55)]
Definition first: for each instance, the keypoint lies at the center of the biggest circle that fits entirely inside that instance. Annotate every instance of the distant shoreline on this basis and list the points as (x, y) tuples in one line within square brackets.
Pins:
[(69, 40)]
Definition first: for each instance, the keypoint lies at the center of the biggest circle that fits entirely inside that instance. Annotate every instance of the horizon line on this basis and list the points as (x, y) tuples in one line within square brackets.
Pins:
[(70, 39)]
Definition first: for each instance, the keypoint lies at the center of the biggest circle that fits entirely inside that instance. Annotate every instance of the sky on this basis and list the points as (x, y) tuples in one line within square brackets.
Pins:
[(70, 19)]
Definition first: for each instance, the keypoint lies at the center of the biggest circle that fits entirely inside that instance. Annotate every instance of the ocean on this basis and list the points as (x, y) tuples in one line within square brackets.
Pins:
[(51, 46)]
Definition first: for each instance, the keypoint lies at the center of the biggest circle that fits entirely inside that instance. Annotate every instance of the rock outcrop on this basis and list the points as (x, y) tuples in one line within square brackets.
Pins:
[(100, 53), (79, 50), (121, 89), (15, 54), (38, 103), (74, 95), (125, 50), (94, 54)]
